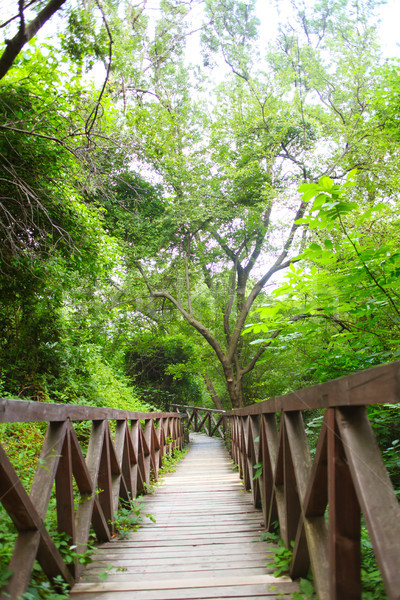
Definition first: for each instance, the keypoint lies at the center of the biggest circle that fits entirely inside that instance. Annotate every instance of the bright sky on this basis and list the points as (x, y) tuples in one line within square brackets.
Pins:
[(390, 32), (389, 15), (267, 13)]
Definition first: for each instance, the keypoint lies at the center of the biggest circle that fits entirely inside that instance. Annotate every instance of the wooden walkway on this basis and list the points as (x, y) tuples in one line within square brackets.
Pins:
[(204, 544)]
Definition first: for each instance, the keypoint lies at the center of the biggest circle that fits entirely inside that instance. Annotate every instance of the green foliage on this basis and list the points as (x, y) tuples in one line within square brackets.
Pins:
[(373, 588), (43, 590), (135, 214), (385, 421), (258, 469), (170, 461), (344, 296), (164, 368), (282, 558), (129, 518), (306, 588)]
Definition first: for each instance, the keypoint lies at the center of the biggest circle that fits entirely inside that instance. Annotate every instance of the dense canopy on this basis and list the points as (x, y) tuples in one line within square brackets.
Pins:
[(196, 207), (178, 190)]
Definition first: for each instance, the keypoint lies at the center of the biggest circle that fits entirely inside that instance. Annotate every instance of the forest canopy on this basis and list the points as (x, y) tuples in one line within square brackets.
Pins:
[(190, 211)]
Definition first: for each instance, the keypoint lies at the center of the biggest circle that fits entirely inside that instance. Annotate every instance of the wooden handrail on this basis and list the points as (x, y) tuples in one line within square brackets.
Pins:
[(113, 470), (206, 422), (318, 502)]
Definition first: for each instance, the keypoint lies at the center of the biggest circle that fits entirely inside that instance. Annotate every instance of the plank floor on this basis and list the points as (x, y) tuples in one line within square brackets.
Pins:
[(203, 545)]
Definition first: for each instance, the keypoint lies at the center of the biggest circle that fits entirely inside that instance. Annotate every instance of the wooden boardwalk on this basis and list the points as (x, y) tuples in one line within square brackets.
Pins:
[(204, 544)]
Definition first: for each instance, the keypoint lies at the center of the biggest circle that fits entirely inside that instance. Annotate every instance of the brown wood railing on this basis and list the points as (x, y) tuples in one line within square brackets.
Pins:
[(117, 466), (209, 420), (318, 502)]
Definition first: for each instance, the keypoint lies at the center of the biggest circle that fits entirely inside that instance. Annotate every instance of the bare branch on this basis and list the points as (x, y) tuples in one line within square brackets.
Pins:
[(93, 115)]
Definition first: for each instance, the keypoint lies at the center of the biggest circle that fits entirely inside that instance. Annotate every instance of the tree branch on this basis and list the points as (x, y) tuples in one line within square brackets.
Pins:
[(93, 115), (259, 242), (26, 33), (228, 310), (186, 315), (212, 392), (189, 297), (279, 264)]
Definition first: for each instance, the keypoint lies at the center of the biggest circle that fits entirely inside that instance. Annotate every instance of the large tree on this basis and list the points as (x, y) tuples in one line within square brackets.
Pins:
[(230, 159)]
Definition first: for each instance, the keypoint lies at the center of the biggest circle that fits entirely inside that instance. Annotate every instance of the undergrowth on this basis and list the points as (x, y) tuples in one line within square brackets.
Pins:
[(372, 584), (130, 517)]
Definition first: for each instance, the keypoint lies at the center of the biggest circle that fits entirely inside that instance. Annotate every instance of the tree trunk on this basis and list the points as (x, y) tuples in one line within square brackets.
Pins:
[(213, 393), (234, 386)]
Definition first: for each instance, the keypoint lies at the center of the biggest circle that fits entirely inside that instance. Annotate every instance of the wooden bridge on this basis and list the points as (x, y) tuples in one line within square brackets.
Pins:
[(192, 549)]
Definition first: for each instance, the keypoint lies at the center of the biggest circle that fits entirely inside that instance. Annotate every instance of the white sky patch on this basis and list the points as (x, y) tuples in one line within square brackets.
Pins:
[(388, 14)]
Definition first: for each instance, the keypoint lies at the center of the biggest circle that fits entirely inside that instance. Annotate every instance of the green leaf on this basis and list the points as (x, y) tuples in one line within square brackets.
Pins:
[(326, 183), (307, 588)]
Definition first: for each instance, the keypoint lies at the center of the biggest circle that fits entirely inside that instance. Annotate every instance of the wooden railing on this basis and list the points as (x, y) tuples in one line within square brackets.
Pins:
[(318, 502), (209, 420), (117, 466)]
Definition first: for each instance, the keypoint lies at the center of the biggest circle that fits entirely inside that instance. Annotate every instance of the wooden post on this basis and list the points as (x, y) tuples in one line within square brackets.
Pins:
[(344, 521)]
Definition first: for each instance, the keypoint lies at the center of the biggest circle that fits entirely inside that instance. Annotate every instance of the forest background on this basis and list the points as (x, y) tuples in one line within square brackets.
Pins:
[(210, 232), (154, 241)]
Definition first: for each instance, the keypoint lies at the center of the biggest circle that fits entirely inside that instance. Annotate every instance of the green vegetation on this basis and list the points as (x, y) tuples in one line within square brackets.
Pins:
[(129, 518), (372, 585), (212, 232), (148, 220)]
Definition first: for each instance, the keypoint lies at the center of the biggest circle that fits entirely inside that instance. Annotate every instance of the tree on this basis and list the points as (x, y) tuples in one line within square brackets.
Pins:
[(348, 282), (229, 171)]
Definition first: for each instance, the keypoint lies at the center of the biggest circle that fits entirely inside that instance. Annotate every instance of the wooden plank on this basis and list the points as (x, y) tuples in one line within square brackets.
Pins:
[(176, 584), (32, 531), (314, 506), (244, 592), (196, 553), (104, 479), (113, 551), (198, 408), (291, 495), (65, 495), (300, 465), (170, 563), (210, 541), (167, 574)]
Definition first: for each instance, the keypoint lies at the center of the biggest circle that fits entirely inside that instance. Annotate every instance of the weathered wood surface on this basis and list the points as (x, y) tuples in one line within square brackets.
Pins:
[(346, 478), (205, 542), (87, 488), (25, 411)]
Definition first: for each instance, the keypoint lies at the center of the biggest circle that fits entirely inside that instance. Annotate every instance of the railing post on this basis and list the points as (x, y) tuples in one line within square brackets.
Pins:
[(195, 420), (344, 521), (185, 427)]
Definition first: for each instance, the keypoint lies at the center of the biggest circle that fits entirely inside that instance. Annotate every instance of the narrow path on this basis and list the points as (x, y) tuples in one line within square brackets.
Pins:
[(204, 544)]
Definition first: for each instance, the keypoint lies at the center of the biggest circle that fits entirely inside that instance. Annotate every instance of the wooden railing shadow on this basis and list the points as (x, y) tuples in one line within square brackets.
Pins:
[(318, 503), (88, 488)]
